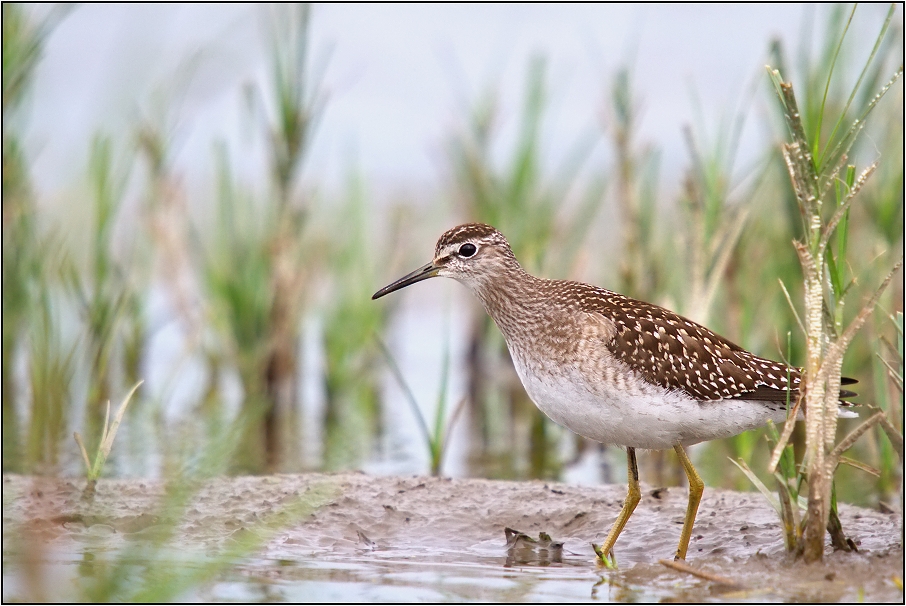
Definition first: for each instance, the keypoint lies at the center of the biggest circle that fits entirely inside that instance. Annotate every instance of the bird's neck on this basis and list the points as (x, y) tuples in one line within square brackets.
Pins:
[(514, 300)]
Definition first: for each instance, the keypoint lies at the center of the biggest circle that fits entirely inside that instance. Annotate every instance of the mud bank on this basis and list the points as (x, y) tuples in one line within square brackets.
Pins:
[(355, 537)]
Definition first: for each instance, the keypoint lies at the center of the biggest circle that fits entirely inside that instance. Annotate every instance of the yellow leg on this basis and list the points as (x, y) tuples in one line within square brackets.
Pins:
[(632, 499), (696, 488)]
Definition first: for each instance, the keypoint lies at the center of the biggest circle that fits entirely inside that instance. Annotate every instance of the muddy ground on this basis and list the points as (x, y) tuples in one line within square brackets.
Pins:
[(355, 537)]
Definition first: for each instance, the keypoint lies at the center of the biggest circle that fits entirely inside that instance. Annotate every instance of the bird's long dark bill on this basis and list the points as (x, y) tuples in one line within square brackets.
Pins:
[(424, 272)]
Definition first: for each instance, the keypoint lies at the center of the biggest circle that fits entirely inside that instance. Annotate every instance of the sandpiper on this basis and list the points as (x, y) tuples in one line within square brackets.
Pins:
[(611, 368)]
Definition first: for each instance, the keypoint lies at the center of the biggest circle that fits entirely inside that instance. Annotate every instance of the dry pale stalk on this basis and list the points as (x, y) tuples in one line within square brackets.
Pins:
[(824, 347)]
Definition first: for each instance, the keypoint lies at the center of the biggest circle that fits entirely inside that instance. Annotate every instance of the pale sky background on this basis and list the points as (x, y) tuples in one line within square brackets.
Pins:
[(400, 76)]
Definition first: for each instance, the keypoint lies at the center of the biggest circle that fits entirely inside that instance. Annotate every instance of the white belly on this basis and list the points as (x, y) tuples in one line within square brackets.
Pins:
[(649, 417)]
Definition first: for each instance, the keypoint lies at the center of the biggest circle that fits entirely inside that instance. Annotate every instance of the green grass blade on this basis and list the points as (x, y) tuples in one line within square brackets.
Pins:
[(407, 391), (868, 63), (772, 500), (816, 141)]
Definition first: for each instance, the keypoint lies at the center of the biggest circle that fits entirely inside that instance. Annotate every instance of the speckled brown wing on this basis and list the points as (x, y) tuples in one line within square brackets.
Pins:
[(677, 353)]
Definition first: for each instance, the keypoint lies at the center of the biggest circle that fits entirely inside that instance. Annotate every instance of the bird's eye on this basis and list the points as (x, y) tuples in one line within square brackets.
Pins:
[(467, 250)]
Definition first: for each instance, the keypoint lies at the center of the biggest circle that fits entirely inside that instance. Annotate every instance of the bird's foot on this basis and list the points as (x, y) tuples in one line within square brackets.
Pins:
[(607, 560)]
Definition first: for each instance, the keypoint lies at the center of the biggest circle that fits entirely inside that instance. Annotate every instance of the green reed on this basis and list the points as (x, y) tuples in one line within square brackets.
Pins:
[(236, 264), (22, 43), (101, 285), (436, 435), (254, 261), (888, 378), (51, 368), (94, 468), (643, 266), (351, 377), (533, 206)]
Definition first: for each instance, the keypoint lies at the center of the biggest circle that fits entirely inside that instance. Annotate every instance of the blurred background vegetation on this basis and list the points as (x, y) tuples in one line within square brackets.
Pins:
[(269, 280)]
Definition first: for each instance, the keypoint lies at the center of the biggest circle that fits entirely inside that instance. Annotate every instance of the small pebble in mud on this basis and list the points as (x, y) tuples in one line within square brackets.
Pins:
[(578, 516), (830, 576), (657, 493)]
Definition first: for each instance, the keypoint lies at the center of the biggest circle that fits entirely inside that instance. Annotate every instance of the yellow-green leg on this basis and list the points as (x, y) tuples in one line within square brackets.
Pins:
[(696, 488), (633, 497)]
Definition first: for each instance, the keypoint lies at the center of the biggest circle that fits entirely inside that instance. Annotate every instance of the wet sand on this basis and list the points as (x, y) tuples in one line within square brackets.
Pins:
[(353, 536)]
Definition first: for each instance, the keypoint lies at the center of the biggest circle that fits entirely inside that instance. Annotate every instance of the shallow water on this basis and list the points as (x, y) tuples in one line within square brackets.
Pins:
[(353, 537)]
